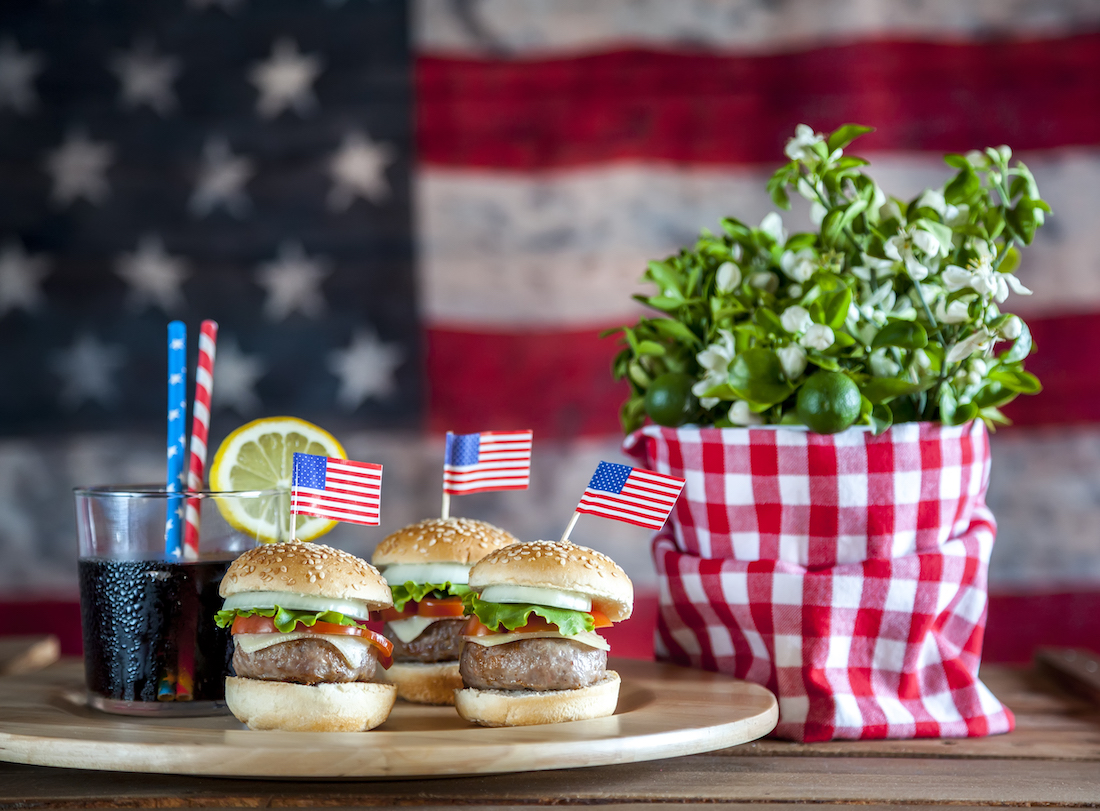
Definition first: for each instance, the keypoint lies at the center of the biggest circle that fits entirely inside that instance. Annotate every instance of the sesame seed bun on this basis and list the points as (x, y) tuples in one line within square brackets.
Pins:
[(562, 566), (441, 540), (424, 682), (327, 707), (514, 708), (306, 568)]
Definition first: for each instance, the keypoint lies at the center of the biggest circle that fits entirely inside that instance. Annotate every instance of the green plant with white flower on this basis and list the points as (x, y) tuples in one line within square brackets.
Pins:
[(889, 312)]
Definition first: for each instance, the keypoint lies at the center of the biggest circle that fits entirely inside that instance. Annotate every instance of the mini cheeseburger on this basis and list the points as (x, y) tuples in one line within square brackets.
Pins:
[(532, 655), (427, 565), (303, 658)]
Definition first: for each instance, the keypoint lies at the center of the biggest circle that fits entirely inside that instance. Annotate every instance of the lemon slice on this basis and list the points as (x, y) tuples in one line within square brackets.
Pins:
[(260, 456)]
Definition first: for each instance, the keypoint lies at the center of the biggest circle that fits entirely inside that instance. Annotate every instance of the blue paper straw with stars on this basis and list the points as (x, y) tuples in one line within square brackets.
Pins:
[(177, 439)]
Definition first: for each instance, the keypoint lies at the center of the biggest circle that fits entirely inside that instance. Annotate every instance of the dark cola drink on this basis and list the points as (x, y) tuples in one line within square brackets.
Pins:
[(149, 632)]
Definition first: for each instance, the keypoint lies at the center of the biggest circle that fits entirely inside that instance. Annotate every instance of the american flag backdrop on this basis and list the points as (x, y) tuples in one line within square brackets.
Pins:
[(409, 219)]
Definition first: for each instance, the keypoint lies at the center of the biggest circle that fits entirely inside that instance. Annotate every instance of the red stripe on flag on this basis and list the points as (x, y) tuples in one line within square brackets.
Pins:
[(708, 109), (558, 383)]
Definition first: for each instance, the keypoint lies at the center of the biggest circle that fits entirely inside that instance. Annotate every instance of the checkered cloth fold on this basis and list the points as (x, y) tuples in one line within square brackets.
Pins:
[(847, 573)]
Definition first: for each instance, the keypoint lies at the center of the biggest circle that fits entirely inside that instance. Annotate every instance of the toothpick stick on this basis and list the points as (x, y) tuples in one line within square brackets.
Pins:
[(568, 529), (446, 512)]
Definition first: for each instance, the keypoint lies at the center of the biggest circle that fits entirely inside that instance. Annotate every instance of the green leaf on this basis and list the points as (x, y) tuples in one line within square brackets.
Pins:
[(964, 186), (1016, 380), (956, 161), (403, 592), (993, 395), (842, 136), (881, 418), (665, 277), (948, 405), (650, 348), (769, 321), (836, 307), (285, 619), (512, 616), (883, 389), (632, 414), (756, 375), (1011, 260), (900, 333), (1021, 347), (675, 330)]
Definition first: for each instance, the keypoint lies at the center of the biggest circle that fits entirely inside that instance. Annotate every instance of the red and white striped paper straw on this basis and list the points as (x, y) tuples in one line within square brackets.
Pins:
[(200, 426)]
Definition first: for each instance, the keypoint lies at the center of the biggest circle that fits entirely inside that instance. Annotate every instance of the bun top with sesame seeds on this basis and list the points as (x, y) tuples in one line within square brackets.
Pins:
[(561, 566), (441, 540), (309, 569)]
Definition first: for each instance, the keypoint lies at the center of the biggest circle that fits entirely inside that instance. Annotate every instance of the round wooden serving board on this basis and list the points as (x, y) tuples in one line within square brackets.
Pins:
[(664, 711)]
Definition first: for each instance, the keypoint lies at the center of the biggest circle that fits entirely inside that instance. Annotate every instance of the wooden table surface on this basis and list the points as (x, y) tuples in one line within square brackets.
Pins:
[(1052, 759)]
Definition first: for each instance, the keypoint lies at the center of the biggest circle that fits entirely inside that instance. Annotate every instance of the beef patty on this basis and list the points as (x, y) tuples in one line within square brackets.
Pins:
[(440, 642), (302, 661), (532, 664)]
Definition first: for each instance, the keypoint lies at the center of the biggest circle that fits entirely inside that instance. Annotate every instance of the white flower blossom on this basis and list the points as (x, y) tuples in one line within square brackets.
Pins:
[(818, 336), (799, 266), (882, 366), (964, 349), (798, 147), (794, 291), (715, 360), (728, 277), (795, 319), (921, 359), (904, 246), (957, 312), (1012, 329), (980, 277), (740, 414), (772, 225), (793, 360), (817, 213), (764, 280)]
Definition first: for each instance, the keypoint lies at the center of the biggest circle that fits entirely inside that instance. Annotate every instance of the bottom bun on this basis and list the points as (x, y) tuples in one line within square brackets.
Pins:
[(516, 708), (425, 682), (330, 707)]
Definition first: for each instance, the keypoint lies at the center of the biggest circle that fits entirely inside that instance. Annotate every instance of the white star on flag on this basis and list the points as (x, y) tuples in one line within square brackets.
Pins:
[(221, 181), (285, 80), (154, 276), (292, 283), (365, 369), (20, 276), (79, 169), (235, 376), (18, 70), (86, 369), (147, 78), (358, 169)]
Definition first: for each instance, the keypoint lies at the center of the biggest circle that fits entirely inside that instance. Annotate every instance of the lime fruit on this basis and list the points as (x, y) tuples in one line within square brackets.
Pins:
[(260, 456), (828, 402), (669, 400)]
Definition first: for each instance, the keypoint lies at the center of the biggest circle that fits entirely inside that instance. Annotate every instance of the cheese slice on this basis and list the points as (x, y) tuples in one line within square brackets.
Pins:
[(409, 629), (589, 638), (352, 648)]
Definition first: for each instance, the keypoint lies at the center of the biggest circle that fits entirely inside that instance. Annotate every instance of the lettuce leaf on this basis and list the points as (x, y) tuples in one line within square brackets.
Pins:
[(514, 615), (285, 619), (403, 592)]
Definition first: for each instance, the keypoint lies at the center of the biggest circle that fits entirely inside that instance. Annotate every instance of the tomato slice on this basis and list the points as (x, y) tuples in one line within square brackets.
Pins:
[(444, 607), (266, 625)]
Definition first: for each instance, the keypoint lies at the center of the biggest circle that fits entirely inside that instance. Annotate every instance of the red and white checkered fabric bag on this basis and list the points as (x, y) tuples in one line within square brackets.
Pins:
[(847, 573)]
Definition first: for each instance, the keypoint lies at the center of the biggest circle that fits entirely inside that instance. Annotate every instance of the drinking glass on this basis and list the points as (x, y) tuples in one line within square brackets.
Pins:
[(150, 643)]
